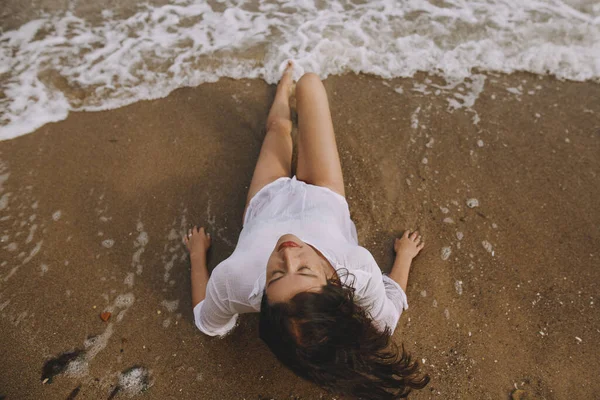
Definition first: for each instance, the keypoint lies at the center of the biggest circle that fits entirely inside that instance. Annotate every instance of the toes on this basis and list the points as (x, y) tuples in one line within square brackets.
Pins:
[(421, 245), (413, 235), (405, 234), (289, 68)]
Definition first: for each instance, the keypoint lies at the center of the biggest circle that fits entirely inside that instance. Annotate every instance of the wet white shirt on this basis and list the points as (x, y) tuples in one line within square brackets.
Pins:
[(319, 217)]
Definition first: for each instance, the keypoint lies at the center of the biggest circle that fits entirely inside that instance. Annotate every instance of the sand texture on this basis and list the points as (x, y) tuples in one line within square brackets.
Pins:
[(92, 208)]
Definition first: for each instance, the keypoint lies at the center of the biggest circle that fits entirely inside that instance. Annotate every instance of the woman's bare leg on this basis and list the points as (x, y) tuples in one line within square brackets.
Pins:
[(318, 158), (275, 158)]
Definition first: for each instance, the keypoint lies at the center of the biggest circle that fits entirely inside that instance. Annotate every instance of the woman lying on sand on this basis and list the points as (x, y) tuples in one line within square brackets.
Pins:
[(326, 310)]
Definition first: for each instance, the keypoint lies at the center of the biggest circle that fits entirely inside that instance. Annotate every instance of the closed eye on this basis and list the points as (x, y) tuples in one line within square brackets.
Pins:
[(283, 274)]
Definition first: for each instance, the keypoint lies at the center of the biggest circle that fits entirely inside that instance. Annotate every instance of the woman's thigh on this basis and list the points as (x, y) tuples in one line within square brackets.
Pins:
[(318, 158), (274, 160)]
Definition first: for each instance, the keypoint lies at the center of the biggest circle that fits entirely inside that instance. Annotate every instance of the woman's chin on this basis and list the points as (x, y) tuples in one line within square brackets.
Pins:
[(288, 237)]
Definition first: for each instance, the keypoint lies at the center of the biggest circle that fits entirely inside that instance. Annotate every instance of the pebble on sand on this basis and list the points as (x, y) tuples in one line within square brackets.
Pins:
[(488, 246), (458, 287), (105, 316), (446, 251), (472, 203)]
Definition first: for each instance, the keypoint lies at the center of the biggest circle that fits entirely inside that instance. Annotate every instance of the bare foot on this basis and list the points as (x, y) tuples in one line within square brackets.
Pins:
[(286, 83), (409, 245)]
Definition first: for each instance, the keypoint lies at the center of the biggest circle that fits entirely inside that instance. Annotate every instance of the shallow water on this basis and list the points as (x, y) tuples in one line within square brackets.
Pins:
[(56, 58)]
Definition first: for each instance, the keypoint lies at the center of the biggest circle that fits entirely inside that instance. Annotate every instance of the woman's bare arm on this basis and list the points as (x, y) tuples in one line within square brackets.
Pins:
[(407, 247), (199, 279)]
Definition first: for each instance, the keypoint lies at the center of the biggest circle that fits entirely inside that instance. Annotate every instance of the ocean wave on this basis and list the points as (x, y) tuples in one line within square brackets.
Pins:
[(64, 62)]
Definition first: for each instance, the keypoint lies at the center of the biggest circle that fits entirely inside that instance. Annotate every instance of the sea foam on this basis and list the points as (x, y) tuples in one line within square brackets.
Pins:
[(65, 62)]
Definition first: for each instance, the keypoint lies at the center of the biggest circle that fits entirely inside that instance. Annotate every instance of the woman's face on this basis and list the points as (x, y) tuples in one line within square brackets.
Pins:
[(293, 267)]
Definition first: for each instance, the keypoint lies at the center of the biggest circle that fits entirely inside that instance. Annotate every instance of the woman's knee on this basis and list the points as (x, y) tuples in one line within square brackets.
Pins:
[(307, 81), (279, 125)]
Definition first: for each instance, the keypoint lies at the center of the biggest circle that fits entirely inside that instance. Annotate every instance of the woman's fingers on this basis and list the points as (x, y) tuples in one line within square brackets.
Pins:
[(191, 232), (202, 238), (414, 236), (203, 232)]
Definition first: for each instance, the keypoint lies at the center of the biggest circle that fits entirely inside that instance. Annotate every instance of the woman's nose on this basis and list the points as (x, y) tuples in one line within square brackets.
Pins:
[(289, 257)]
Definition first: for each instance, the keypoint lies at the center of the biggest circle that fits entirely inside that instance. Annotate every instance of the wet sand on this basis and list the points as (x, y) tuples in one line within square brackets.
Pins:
[(92, 208)]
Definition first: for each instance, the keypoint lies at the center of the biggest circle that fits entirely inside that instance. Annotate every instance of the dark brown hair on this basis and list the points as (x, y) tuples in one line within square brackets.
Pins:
[(326, 338)]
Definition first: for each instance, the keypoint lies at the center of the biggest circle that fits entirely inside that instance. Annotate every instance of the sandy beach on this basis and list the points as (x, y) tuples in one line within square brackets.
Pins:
[(504, 296)]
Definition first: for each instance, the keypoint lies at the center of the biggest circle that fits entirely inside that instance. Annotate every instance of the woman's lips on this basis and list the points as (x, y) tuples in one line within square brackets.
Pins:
[(287, 244)]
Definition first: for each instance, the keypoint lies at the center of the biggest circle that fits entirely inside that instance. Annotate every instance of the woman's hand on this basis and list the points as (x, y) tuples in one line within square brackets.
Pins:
[(197, 241), (409, 245)]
